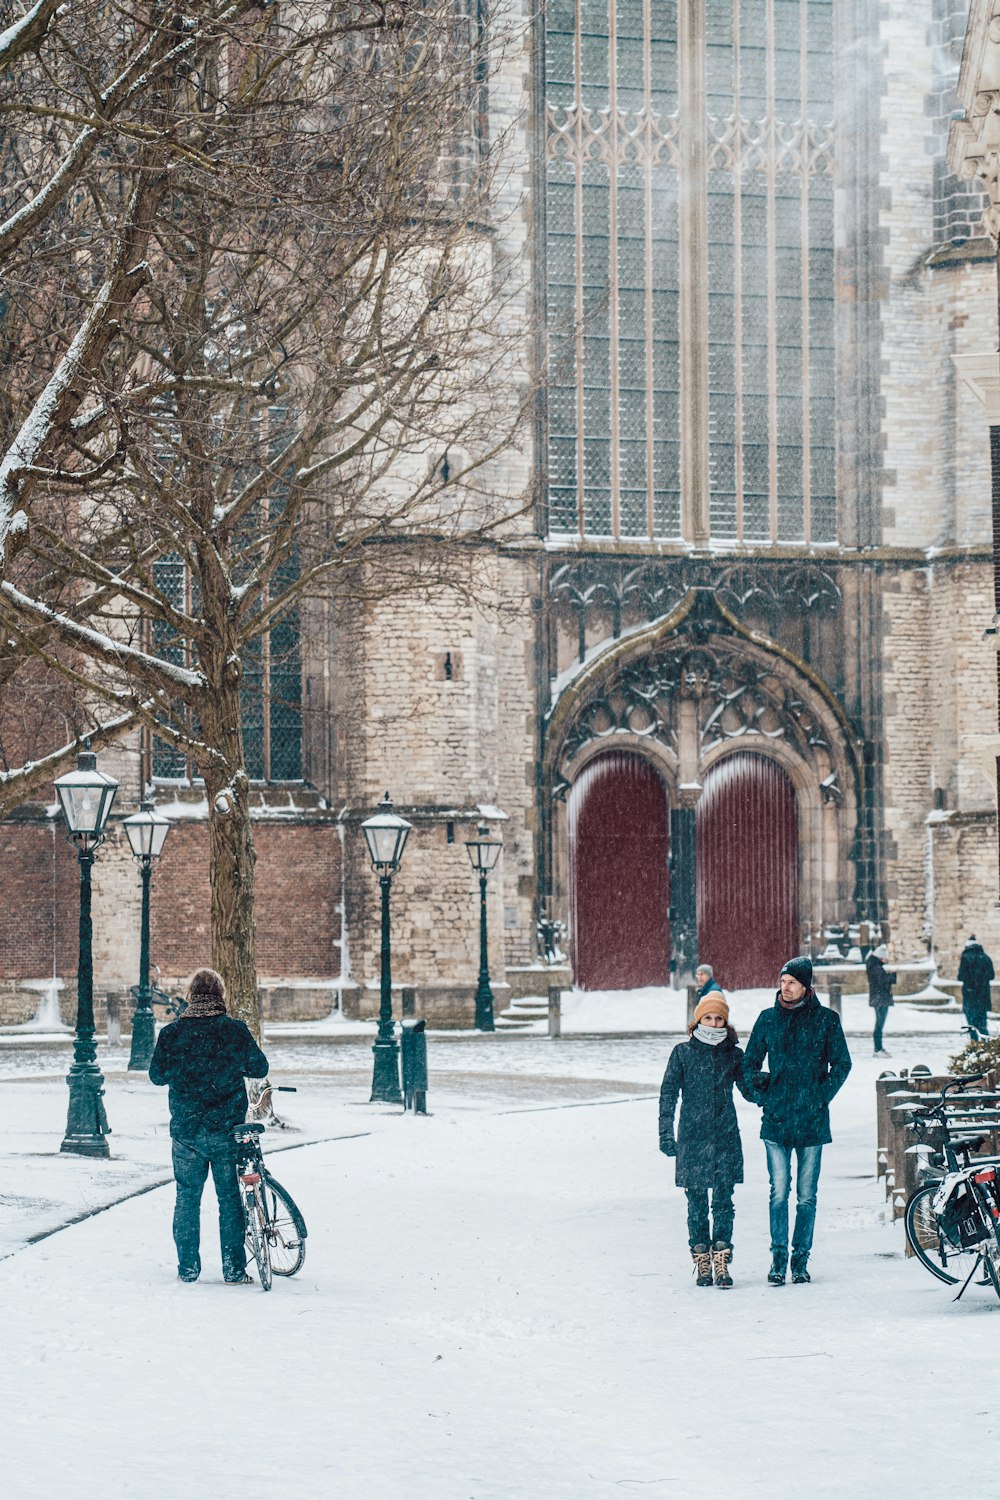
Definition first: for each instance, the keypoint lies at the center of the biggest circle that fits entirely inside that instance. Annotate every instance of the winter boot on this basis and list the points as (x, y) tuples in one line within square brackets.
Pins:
[(779, 1263), (702, 1257), (721, 1256), (800, 1273)]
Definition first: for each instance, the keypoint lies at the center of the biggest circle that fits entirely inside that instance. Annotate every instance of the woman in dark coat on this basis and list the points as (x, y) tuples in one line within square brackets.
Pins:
[(880, 983), (702, 1071)]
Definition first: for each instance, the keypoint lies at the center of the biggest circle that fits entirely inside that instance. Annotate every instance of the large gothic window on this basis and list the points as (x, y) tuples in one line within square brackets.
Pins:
[(271, 693), (690, 269)]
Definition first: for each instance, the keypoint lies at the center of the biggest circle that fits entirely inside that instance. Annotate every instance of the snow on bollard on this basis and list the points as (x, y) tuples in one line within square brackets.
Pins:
[(555, 1012)]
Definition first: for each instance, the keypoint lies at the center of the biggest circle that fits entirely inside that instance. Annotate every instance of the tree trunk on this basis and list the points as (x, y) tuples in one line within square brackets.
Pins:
[(234, 946), (233, 857)]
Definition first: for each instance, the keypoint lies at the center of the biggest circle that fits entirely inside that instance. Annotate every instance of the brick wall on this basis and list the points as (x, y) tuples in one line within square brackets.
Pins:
[(298, 908)]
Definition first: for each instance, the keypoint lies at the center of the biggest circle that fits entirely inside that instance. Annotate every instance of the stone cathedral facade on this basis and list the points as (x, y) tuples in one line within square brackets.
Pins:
[(727, 684)]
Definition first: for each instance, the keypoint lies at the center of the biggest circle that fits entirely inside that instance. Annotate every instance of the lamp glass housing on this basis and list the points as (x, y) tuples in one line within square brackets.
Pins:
[(484, 851), (386, 834), (147, 831), (85, 796)]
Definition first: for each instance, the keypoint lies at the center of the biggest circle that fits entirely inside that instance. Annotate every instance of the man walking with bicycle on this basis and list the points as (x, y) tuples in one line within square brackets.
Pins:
[(203, 1057), (808, 1061)]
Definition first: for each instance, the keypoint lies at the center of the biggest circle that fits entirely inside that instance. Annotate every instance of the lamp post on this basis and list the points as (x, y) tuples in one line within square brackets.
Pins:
[(484, 852), (85, 796), (386, 835), (147, 832)]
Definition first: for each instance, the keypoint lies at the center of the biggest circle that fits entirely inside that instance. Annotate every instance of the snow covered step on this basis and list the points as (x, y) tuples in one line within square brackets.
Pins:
[(522, 1012)]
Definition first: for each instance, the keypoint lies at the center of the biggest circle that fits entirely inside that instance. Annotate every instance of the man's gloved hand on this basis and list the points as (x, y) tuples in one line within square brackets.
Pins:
[(668, 1146)]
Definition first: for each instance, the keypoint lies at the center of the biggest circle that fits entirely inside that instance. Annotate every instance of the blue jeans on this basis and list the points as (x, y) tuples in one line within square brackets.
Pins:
[(192, 1161), (779, 1169), (881, 1011)]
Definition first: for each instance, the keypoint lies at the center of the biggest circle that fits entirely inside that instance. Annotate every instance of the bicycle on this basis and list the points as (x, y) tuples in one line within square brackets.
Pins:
[(953, 1222), (275, 1229)]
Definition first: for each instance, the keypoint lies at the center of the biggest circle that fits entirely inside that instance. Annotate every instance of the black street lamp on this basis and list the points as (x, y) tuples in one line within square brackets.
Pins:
[(147, 832), (85, 796), (386, 835), (484, 852)]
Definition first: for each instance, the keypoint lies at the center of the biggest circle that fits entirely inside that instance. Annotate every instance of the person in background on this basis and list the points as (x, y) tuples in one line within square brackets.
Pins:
[(204, 1057), (975, 970), (706, 981), (808, 1061), (702, 1072), (880, 983)]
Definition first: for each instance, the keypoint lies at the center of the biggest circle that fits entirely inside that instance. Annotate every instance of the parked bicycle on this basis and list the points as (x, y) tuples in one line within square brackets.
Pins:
[(276, 1231), (953, 1222)]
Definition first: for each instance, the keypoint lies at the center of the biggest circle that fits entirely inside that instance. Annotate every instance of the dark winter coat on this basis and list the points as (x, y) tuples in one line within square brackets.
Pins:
[(807, 1061), (708, 1138), (710, 984), (205, 1060), (880, 982), (975, 971)]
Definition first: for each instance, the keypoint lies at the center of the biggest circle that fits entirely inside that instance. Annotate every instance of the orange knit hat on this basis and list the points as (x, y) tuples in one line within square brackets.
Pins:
[(713, 1003)]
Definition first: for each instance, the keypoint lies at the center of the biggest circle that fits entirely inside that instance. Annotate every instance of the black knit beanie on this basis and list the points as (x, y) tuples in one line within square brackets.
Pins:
[(800, 969)]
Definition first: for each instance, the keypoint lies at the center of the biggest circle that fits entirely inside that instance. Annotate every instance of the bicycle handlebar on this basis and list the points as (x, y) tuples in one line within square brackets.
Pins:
[(929, 1110)]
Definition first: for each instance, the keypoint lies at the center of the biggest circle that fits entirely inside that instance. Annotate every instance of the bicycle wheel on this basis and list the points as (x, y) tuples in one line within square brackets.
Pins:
[(257, 1241), (285, 1227), (931, 1247)]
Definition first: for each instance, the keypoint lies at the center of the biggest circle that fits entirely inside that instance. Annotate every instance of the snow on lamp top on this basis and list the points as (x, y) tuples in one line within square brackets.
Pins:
[(386, 835), (147, 831), (484, 851), (85, 796)]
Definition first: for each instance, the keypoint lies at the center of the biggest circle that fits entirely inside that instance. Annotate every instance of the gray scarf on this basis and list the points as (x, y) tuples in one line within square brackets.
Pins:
[(713, 1035)]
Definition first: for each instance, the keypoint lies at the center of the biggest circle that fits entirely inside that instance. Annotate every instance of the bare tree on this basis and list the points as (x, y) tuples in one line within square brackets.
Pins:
[(91, 125), (323, 361)]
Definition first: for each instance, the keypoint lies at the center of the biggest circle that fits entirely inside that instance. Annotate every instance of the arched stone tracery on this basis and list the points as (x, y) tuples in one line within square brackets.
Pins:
[(698, 685)]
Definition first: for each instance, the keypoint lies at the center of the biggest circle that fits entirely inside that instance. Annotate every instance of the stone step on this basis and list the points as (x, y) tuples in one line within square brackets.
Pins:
[(523, 1012)]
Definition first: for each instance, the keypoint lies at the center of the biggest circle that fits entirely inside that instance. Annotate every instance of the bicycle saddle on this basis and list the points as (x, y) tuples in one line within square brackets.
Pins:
[(253, 1129), (968, 1142)]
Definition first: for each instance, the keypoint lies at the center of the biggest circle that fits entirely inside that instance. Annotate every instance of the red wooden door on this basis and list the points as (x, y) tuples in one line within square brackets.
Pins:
[(619, 844), (747, 844)]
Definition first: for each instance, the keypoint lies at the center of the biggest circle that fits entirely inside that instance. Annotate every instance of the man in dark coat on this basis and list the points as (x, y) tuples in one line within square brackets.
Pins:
[(880, 983), (975, 970), (204, 1057), (808, 1062)]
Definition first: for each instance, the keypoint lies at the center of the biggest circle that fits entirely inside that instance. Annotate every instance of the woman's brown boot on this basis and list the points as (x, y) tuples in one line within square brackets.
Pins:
[(721, 1255), (702, 1257)]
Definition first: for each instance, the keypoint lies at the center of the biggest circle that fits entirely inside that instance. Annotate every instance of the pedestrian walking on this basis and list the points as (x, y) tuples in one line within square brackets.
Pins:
[(880, 983), (808, 1062), (203, 1057), (975, 970), (702, 1072), (704, 978)]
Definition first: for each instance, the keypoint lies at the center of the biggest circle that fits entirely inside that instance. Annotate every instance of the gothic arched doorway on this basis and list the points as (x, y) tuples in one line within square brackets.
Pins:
[(619, 845), (747, 840)]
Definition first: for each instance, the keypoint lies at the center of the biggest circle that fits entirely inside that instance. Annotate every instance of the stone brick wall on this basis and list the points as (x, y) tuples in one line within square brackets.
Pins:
[(298, 910), (939, 803), (939, 679), (444, 719)]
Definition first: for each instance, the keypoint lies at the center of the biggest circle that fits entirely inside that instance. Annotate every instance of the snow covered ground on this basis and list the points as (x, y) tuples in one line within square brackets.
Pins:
[(496, 1304)]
